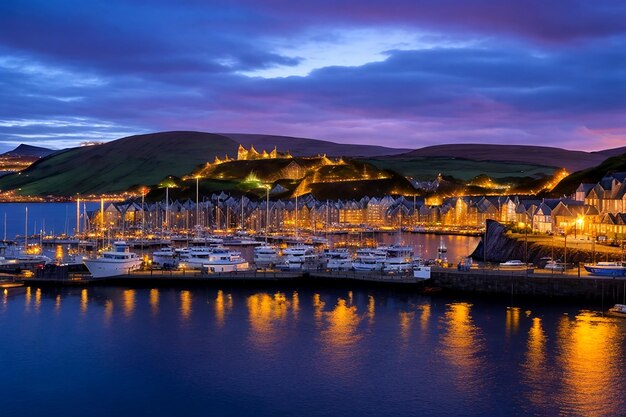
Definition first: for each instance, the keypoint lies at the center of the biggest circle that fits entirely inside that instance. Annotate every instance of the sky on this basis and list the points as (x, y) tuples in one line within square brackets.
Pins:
[(399, 73)]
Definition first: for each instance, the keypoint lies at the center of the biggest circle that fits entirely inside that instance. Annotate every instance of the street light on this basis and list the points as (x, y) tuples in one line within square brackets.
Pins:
[(579, 222)]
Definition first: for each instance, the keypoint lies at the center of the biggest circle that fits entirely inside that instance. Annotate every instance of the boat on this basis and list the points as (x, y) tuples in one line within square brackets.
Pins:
[(618, 310), (225, 260), (421, 272), (266, 255), (164, 258), (338, 259), (299, 255), (513, 264), (194, 257), (368, 259), (118, 261), (555, 266), (606, 269), (399, 259)]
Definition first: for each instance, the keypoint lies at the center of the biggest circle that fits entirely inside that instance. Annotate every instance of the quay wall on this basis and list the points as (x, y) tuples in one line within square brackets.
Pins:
[(608, 290)]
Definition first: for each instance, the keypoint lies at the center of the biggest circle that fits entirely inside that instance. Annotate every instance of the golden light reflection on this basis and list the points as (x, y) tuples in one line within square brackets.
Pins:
[(37, 299), (318, 309), (593, 365), (57, 303), (406, 322), (128, 297), (220, 308), (266, 314), (154, 301), (463, 346), (536, 373), (371, 310), (295, 304), (84, 300), (512, 320), (341, 337), (185, 304), (425, 317), (27, 298), (108, 311)]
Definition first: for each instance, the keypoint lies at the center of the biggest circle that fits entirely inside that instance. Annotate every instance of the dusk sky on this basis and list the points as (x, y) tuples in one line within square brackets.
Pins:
[(406, 73)]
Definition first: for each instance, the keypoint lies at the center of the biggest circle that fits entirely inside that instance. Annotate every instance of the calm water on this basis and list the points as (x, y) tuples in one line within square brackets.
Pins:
[(334, 352), (54, 218)]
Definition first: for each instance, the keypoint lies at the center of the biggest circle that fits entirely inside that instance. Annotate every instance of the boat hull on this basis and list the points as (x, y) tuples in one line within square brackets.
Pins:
[(103, 269), (606, 271)]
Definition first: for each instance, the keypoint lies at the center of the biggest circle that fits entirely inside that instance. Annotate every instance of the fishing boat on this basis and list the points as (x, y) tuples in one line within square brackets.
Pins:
[(607, 269), (118, 261), (618, 310)]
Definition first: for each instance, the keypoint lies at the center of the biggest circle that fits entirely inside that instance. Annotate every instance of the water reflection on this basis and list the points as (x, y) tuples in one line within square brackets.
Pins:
[(128, 297), (37, 299), (295, 304), (57, 303), (223, 304), (406, 322), (154, 301), (512, 320), (265, 314), (185, 304), (371, 310), (84, 300), (590, 351), (535, 369), (108, 311), (341, 337), (318, 309), (463, 347), (425, 317), (27, 298)]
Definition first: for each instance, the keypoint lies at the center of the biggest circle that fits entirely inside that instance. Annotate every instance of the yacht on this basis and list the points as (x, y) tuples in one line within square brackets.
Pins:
[(337, 259), (295, 257), (164, 257), (513, 264), (225, 260), (399, 259), (194, 257), (118, 261), (607, 269), (265, 255), (555, 266), (370, 259)]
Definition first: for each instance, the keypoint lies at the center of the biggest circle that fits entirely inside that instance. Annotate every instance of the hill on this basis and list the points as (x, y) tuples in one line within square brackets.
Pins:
[(592, 175), (533, 155), (308, 147), (146, 159), (28, 151), (118, 165)]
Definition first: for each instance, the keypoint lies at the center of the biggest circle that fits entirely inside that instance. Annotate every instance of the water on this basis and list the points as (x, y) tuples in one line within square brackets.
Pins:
[(57, 218), (105, 351)]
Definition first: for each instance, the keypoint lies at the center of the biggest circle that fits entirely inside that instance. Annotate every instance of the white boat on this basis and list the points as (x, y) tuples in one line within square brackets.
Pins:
[(399, 259), (164, 257), (338, 259), (421, 272), (225, 260), (113, 263), (194, 257), (555, 266), (607, 269), (513, 264), (266, 255), (618, 310)]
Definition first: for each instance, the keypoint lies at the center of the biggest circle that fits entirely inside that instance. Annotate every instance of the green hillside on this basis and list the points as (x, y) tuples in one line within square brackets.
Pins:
[(426, 168), (119, 165), (590, 175)]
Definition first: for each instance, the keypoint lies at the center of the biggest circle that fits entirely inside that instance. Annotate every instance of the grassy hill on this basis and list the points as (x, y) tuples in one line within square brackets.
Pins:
[(532, 155), (28, 151), (569, 184), (426, 168), (118, 165)]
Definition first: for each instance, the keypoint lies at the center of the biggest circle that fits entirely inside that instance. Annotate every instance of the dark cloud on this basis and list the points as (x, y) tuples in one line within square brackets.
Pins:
[(529, 72)]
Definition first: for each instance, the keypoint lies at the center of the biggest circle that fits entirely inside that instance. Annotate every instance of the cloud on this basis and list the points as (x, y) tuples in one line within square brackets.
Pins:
[(406, 73)]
